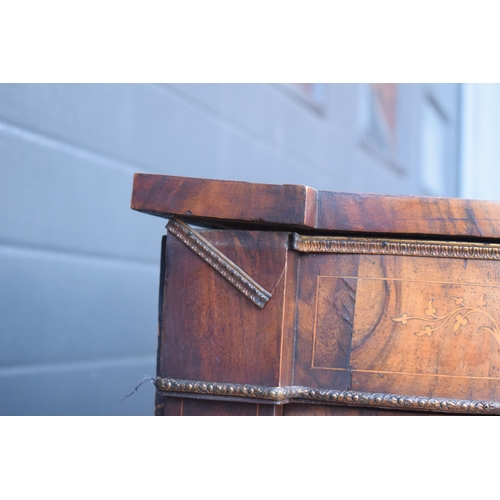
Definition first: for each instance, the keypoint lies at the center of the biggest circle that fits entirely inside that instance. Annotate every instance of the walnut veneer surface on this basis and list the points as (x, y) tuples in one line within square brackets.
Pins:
[(292, 301)]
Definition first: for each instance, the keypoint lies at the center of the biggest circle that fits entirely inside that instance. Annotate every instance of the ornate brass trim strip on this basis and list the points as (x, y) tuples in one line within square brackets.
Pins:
[(216, 259), (333, 397), (337, 244)]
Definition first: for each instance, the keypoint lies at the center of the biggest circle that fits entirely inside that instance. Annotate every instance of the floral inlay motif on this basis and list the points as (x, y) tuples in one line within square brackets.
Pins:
[(459, 314)]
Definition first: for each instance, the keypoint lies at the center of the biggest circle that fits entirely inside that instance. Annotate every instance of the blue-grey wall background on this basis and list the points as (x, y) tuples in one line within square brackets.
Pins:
[(79, 269)]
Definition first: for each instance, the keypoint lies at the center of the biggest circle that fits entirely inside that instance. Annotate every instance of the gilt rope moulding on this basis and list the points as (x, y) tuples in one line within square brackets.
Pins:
[(218, 261), (285, 297), (456, 250), (332, 397)]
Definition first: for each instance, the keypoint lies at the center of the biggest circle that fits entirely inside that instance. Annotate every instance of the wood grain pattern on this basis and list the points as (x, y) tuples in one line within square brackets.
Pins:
[(167, 406), (408, 215), (199, 408), (420, 326), (210, 331), (303, 410), (211, 200), (333, 344), (351, 326), (409, 321), (291, 206)]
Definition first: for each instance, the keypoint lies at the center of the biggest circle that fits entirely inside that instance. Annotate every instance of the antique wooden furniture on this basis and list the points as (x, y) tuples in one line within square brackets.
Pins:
[(293, 301)]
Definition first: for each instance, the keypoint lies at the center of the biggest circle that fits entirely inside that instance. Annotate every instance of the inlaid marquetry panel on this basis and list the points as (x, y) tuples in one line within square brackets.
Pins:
[(416, 325)]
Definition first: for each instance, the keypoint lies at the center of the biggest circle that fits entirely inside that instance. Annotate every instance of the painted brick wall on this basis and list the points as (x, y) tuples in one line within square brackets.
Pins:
[(79, 269)]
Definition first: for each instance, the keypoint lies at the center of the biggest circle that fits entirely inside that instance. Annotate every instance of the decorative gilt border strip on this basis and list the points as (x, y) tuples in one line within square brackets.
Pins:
[(333, 397), (336, 244), (216, 259)]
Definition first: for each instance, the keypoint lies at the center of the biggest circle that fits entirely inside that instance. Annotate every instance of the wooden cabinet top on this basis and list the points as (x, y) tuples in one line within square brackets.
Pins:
[(291, 300), (295, 207)]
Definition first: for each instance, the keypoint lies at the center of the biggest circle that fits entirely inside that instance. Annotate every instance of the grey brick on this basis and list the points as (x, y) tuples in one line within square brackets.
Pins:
[(58, 307), (98, 388)]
